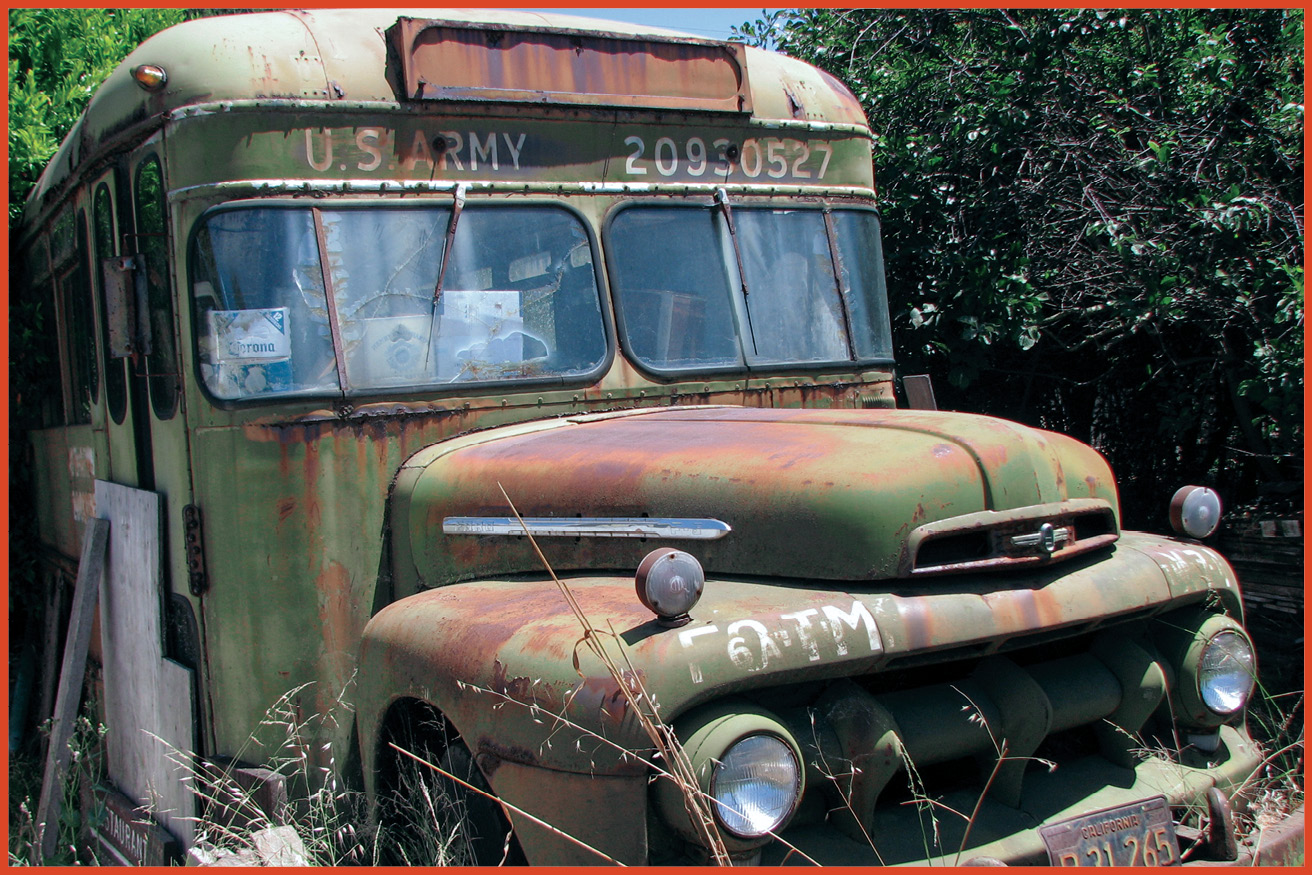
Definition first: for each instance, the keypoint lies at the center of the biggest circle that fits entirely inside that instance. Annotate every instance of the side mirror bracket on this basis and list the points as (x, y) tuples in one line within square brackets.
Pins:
[(919, 391)]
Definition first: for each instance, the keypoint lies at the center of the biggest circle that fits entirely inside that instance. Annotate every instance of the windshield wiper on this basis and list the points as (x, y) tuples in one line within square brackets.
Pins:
[(441, 273), (722, 201)]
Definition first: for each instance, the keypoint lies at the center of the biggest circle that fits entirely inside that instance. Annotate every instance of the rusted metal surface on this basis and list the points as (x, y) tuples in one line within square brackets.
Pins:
[(830, 495), (497, 657), (1283, 843), (453, 60), (516, 638)]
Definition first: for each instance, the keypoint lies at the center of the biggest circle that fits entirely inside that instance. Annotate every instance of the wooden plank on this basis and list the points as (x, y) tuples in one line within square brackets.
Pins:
[(174, 801), (148, 699), (90, 571), (48, 678)]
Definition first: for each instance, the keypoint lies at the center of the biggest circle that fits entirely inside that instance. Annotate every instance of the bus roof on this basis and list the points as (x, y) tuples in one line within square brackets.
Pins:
[(341, 56)]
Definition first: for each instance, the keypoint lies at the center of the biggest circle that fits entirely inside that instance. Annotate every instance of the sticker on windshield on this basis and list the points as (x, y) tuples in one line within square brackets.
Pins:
[(249, 335), (482, 335), (388, 350)]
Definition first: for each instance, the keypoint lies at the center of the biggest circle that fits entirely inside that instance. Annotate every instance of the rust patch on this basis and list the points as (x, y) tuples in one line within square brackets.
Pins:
[(603, 697), (917, 623), (339, 628), (311, 467), (464, 61), (286, 507), (490, 753)]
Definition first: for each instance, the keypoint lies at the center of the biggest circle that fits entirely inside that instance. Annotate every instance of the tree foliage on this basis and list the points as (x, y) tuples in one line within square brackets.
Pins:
[(1093, 222), (57, 57)]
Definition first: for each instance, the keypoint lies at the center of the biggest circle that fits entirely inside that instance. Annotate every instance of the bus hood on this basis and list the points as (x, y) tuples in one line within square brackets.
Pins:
[(845, 495)]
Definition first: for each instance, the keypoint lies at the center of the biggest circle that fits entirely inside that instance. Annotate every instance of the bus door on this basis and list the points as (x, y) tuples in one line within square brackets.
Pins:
[(151, 442), (142, 330)]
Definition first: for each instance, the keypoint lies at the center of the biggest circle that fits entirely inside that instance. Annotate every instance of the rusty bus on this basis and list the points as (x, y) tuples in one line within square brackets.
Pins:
[(336, 288)]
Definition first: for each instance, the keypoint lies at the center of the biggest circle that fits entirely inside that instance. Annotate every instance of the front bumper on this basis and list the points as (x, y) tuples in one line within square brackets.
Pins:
[(952, 830)]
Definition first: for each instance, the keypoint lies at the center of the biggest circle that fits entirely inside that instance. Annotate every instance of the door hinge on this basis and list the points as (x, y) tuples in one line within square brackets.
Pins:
[(197, 581)]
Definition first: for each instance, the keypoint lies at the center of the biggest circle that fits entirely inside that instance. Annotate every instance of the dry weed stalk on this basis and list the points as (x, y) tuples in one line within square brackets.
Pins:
[(645, 709), (324, 813), (562, 721)]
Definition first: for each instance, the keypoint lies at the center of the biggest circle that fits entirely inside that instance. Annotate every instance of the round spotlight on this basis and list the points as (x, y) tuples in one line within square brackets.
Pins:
[(1195, 511), (1226, 673), (669, 582)]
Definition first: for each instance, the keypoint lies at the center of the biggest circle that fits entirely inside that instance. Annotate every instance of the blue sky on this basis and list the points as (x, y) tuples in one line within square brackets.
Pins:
[(712, 23)]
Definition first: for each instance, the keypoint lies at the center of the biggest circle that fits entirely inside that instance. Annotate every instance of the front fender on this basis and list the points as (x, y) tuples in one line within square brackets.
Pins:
[(504, 662)]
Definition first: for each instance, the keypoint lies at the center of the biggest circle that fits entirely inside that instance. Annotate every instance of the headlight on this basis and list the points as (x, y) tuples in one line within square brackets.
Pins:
[(1195, 511), (1215, 665), (755, 786), (747, 762), (1226, 673)]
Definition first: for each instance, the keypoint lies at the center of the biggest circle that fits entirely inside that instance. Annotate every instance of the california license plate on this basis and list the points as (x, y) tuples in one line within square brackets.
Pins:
[(1139, 834)]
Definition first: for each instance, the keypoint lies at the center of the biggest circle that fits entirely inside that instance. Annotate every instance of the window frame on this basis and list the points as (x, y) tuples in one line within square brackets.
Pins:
[(747, 368), (469, 388), (162, 364), (115, 379)]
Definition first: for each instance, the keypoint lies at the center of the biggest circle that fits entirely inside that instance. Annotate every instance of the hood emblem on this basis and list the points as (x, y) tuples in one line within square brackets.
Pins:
[(1047, 538)]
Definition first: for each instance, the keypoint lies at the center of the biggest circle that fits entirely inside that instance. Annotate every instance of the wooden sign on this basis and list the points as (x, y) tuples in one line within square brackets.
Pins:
[(127, 835)]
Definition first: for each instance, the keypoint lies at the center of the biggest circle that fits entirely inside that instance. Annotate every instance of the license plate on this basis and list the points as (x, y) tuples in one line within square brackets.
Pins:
[(1139, 834)]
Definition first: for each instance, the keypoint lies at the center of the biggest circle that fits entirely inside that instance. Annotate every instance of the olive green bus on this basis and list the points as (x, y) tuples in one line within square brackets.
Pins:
[(422, 330)]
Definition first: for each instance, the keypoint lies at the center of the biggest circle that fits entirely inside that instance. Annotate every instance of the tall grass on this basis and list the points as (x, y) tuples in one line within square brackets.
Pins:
[(1277, 787), (86, 768)]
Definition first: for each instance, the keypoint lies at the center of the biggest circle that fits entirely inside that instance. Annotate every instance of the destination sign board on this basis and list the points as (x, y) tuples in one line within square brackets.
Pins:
[(423, 148)]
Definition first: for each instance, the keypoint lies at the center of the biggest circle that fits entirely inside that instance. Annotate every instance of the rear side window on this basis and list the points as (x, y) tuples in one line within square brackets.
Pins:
[(116, 398), (39, 368), (75, 285), (71, 291)]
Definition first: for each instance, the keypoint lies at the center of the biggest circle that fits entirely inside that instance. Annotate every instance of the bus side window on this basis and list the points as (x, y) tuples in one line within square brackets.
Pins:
[(73, 308), (116, 396), (84, 369), (40, 363), (152, 241)]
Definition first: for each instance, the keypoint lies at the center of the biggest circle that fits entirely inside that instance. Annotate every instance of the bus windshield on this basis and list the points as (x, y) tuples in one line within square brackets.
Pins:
[(708, 288), (294, 300)]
